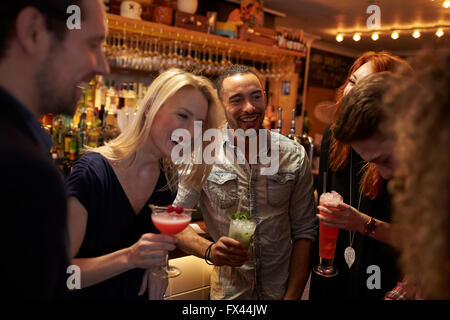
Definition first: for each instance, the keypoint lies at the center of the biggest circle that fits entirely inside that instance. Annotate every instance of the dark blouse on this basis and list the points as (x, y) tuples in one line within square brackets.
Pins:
[(112, 224), (351, 284)]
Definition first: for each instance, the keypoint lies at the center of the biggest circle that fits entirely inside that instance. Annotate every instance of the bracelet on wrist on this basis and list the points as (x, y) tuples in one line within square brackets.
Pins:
[(207, 256), (370, 227)]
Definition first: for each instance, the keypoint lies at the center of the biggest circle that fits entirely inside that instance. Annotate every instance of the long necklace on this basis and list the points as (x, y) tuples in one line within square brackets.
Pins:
[(349, 253)]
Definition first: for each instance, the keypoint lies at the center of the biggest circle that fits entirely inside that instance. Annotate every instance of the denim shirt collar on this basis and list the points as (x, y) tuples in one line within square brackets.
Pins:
[(228, 139)]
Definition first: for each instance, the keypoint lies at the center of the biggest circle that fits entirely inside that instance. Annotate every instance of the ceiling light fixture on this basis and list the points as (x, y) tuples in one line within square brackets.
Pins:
[(416, 32), (446, 4)]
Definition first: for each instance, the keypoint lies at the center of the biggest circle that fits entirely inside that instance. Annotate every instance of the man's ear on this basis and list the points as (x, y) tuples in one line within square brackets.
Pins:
[(31, 31)]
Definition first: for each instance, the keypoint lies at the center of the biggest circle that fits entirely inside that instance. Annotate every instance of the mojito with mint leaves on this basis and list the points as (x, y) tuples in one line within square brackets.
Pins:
[(242, 228)]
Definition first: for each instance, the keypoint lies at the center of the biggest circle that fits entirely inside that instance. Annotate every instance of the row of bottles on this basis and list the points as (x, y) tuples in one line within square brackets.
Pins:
[(291, 41), (104, 111), (304, 139)]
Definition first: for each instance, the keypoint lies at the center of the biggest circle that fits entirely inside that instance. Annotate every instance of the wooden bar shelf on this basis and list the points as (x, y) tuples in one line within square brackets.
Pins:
[(119, 23)]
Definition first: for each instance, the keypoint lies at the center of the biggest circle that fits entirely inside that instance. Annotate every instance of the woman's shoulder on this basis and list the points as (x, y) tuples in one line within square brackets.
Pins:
[(92, 160), (92, 163)]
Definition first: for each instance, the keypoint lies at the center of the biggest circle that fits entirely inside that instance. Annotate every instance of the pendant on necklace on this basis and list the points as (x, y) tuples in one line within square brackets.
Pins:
[(349, 255)]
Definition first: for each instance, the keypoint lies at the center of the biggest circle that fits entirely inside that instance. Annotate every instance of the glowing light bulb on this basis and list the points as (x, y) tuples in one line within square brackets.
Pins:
[(394, 35), (446, 4), (375, 36), (416, 34), (357, 37), (339, 38), (439, 33)]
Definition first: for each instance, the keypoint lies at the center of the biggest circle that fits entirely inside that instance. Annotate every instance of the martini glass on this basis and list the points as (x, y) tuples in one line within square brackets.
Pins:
[(169, 223)]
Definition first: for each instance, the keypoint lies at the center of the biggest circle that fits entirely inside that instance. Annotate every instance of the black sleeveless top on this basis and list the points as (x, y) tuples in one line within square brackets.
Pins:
[(351, 283), (112, 224)]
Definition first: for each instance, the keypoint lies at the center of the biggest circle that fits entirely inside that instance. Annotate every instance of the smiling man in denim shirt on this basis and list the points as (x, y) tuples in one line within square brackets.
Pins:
[(277, 264)]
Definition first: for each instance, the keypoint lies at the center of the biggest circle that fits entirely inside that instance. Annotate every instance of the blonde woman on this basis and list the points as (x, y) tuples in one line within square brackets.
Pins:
[(112, 237)]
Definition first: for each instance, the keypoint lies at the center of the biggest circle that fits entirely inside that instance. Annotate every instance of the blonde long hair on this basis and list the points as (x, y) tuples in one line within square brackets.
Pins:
[(135, 135)]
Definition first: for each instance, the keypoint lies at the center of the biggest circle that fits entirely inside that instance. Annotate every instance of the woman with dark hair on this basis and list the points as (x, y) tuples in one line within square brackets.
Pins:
[(364, 189)]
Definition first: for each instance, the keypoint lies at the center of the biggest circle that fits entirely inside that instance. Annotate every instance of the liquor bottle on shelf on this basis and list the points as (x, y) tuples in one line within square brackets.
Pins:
[(58, 135), (111, 99), (111, 130), (100, 98), (131, 100), (279, 124), (73, 147), (101, 115), (77, 116), (140, 94), (89, 104), (90, 95), (81, 133), (121, 95), (69, 136), (94, 137), (292, 134), (307, 141), (279, 40), (270, 117), (100, 90)]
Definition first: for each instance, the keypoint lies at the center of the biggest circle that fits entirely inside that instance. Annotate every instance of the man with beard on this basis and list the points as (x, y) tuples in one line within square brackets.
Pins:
[(277, 264), (41, 64)]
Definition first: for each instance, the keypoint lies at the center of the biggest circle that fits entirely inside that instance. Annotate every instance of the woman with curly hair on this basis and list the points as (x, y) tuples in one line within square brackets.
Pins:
[(421, 183), (362, 187)]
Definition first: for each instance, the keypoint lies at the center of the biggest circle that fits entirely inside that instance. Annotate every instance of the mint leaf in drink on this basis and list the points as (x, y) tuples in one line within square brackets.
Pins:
[(241, 215), (245, 215)]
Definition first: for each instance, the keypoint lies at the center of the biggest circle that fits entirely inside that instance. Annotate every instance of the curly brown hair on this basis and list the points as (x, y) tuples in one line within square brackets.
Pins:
[(421, 183)]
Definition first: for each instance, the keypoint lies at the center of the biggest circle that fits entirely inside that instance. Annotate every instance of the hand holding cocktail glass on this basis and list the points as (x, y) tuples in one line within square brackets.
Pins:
[(170, 221), (242, 228), (232, 250), (343, 216), (327, 237)]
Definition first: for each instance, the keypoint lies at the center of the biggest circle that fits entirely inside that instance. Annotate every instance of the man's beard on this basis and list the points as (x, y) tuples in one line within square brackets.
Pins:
[(233, 123), (53, 96)]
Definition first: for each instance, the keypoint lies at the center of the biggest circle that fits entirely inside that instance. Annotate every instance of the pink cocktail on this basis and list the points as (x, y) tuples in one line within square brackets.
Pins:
[(170, 221)]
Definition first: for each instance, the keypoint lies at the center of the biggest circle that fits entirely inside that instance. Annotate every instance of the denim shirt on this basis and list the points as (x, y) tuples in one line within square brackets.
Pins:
[(282, 205)]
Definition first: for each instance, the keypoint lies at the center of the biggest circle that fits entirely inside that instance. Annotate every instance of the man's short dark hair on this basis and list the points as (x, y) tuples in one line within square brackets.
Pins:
[(55, 12), (362, 110), (231, 71)]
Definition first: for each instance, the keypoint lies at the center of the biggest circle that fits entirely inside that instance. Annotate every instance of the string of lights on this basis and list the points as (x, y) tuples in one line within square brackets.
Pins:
[(415, 32), (394, 33)]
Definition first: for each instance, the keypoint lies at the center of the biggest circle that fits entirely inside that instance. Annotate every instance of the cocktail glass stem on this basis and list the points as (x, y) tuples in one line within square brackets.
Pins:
[(166, 271)]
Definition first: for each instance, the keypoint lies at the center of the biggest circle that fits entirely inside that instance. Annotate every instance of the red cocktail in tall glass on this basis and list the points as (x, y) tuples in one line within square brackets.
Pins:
[(327, 240)]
